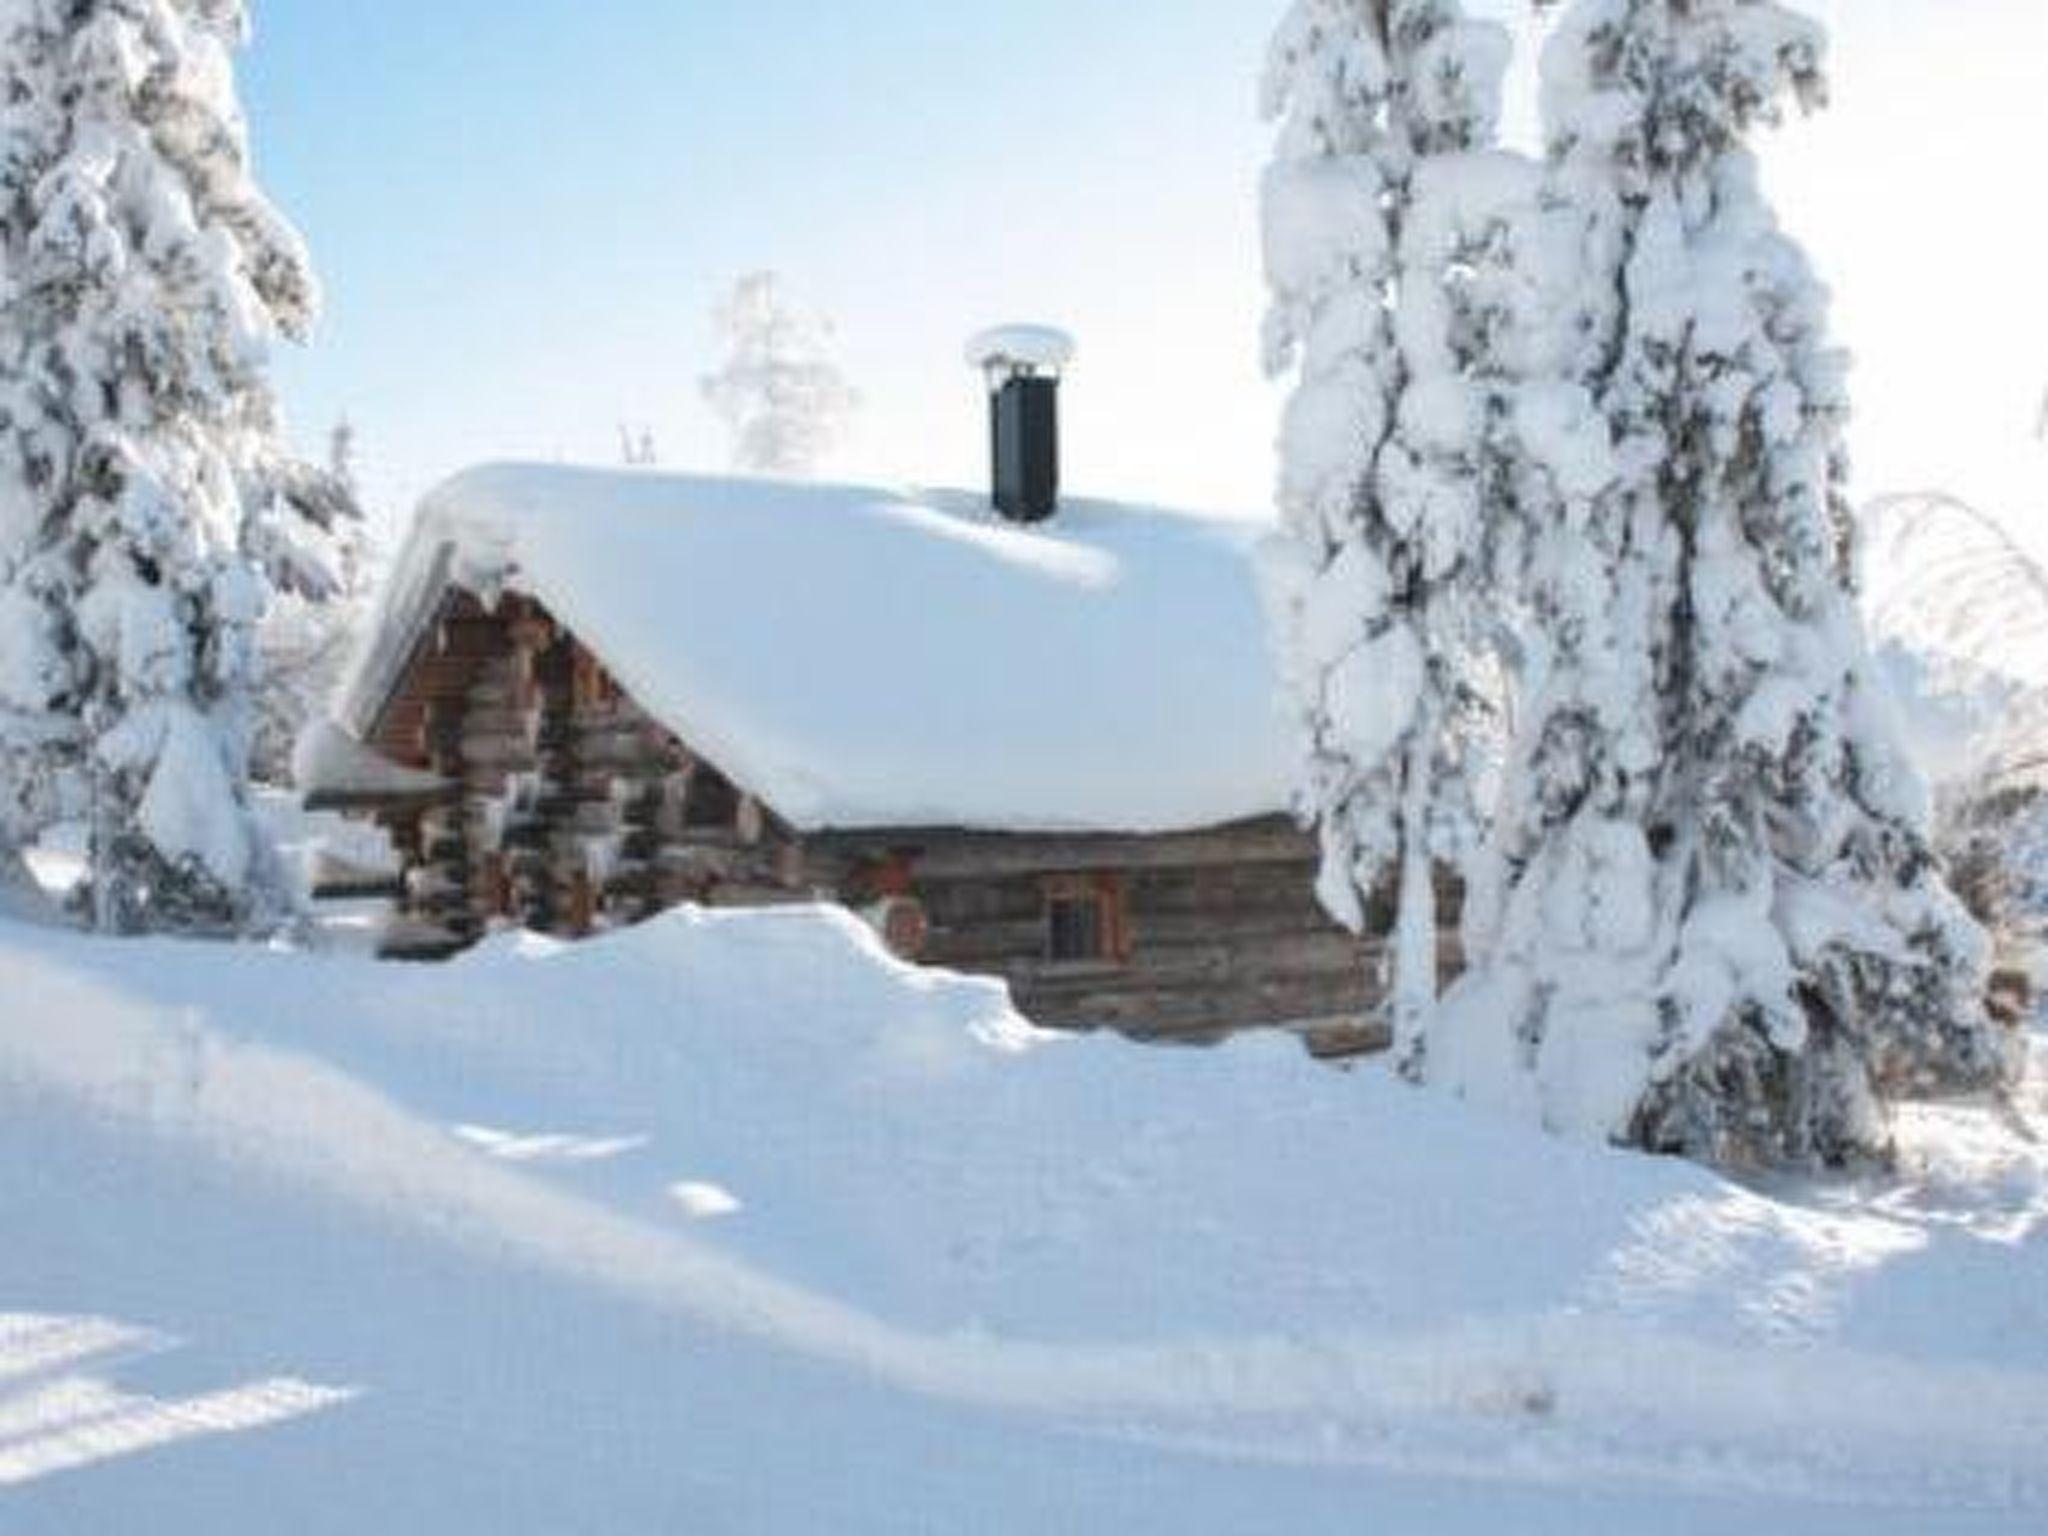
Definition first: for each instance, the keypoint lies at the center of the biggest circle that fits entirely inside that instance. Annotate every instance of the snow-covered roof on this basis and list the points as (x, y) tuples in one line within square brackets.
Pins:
[(861, 657), (329, 757)]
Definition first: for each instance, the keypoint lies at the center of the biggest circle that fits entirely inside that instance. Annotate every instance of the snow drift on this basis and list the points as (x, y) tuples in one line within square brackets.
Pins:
[(1235, 1249)]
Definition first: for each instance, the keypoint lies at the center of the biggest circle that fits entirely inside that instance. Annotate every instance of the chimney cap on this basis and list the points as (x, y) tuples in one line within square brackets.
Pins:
[(1021, 349)]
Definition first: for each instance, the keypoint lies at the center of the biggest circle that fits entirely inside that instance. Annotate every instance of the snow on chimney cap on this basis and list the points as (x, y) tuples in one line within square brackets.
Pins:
[(1021, 348)]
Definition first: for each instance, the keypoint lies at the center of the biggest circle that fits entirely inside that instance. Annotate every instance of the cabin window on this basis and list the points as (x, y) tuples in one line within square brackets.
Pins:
[(1084, 919)]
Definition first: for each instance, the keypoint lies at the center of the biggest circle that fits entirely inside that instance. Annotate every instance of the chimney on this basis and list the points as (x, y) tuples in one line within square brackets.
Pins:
[(1022, 364)]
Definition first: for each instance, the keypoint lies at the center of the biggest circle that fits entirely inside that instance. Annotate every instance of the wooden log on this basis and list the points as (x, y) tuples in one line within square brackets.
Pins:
[(1264, 888), (1346, 1039), (494, 886), (1164, 1008), (497, 769), (423, 949), (1155, 1010), (736, 893), (753, 865), (532, 631), (944, 855), (361, 885), (472, 639), (484, 786), (401, 734), (1300, 955), (441, 678), (1242, 929), (1024, 937), (384, 802), (964, 905), (748, 821), (494, 722), (611, 764), (698, 840)]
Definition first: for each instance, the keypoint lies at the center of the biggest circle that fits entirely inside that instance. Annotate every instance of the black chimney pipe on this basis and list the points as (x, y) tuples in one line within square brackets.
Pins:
[(1024, 421), (1022, 364)]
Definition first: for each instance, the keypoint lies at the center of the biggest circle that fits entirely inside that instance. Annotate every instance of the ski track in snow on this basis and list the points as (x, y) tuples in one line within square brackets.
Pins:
[(54, 1418), (1545, 1397)]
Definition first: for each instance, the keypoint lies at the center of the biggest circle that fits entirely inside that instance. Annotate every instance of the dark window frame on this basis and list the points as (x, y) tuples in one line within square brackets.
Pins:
[(1086, 921)]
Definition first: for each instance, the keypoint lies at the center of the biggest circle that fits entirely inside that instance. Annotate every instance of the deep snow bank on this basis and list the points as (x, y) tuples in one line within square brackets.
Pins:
[(761, 1122)]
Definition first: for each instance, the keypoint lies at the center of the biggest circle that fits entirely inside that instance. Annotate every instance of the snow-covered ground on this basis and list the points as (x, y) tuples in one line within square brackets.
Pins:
[(733, 1223)]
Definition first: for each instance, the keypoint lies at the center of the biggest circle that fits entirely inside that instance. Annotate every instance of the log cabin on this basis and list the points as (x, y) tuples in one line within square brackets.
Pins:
[(1023, 736)]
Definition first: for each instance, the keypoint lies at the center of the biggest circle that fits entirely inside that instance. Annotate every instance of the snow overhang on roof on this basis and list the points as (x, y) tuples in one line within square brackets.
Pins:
[(861, 658), (334, 770)]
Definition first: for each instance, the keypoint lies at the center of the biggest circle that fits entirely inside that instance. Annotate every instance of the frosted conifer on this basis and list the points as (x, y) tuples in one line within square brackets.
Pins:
[(1384, 107), (305, 640), (779, 390), (1720, 930), (146, 510)]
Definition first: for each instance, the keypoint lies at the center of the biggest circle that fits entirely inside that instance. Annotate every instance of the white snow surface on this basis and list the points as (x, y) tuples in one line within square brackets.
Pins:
[(1025, 346), (862, 657), (328, 756), (1124, 1288), (55, 1418)]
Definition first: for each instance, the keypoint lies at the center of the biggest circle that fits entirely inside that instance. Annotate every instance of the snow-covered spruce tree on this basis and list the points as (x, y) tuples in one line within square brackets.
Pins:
[(779, 391), (1724, 934), (1382, 104), (147, 507), (305, 640)]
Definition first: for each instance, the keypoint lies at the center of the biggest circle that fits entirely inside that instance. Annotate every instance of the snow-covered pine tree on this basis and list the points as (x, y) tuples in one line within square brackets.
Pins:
[(1384, 107), (305, 641), (147, 506), (1724, 934), (779, 391)]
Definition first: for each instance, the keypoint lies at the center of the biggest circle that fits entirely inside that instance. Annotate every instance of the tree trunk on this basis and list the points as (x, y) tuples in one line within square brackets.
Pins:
[(1415, 936)]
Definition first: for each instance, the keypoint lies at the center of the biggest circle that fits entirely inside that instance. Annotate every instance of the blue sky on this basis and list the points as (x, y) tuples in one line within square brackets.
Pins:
[(523, 210)]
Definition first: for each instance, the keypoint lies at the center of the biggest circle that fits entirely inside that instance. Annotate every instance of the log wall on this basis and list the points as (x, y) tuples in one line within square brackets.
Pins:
[(1216, 931), (576, 812)]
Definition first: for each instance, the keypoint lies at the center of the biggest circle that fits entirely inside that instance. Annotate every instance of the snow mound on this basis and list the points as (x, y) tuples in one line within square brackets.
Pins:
[(861, 657), (703, 1201), (1232, 1252)]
